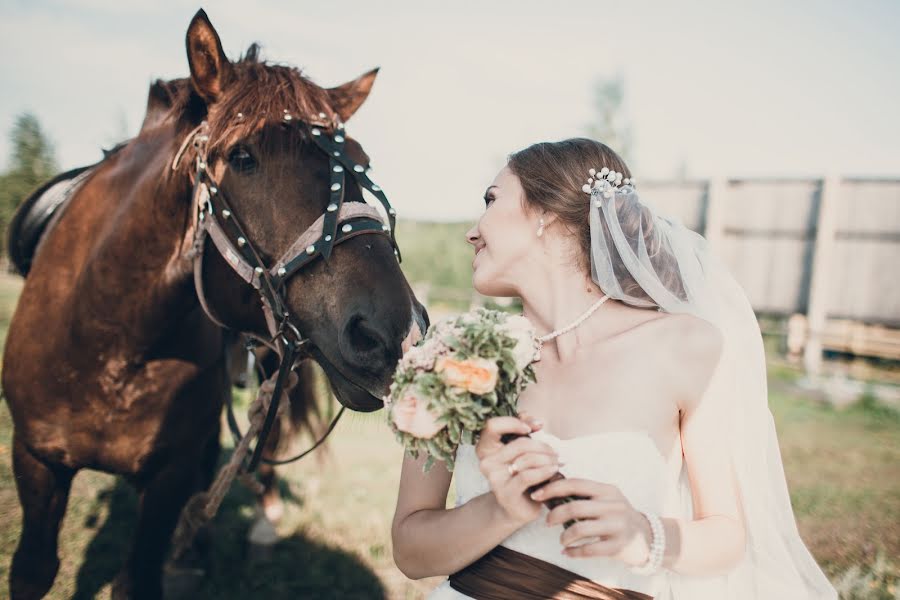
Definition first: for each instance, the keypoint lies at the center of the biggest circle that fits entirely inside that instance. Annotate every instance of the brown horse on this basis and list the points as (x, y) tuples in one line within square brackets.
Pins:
[(112, 364)]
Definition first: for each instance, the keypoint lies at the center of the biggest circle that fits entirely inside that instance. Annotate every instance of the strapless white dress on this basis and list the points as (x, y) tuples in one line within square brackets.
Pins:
[(629, 460)]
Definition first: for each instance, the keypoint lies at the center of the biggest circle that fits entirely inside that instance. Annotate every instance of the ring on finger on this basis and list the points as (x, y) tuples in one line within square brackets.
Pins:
[(511, 467)]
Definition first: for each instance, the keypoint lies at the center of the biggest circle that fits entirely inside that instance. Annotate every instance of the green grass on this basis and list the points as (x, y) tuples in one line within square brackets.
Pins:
[(10, 286), (843, 469)]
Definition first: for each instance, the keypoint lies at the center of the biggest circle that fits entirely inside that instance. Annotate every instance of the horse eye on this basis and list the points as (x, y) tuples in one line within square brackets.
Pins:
[(241, 160)]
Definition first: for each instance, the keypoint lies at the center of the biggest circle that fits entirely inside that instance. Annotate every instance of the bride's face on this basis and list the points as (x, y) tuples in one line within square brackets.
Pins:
[(502, 238)]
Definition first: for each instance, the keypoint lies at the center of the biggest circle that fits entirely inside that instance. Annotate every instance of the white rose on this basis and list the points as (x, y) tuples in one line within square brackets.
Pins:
[(522, 331)]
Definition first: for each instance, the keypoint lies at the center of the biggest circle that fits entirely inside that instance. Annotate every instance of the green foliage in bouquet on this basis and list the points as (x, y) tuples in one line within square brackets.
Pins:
[(465, 371)]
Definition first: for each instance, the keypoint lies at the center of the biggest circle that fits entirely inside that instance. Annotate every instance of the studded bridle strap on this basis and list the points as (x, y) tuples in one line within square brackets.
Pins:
[(217, 220), (228, 236), (305, 249), (300, 252), (339, 164)]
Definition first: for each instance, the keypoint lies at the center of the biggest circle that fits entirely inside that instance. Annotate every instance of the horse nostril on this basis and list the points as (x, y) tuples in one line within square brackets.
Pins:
[(362, 337)]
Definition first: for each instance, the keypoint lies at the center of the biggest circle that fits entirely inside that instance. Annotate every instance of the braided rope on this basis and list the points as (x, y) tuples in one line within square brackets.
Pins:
[(203, 506)]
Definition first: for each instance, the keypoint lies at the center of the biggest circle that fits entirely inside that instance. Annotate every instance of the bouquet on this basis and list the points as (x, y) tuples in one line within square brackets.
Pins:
[(463, 372)]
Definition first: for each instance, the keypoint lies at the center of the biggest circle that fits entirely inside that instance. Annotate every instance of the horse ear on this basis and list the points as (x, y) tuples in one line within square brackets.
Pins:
[(347, 98), (211, 70), (160, 99)]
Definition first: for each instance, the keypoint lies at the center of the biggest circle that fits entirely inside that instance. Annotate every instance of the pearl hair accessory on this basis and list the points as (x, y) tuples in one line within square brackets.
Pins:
[(605, 177), (603, 182), (657, 547)]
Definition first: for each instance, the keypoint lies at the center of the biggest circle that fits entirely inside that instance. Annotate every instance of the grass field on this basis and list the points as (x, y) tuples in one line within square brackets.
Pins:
[(843, 468)]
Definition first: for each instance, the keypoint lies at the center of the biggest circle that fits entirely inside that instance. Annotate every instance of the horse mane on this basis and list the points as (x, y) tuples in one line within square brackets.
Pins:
[(110, 152), (259, 91)]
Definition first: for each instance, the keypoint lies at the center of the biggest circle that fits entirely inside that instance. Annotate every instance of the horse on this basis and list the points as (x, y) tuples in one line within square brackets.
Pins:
[(238, 206)]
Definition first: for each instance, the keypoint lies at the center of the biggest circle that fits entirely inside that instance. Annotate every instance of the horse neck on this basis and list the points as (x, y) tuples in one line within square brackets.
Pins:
[(136, 275)]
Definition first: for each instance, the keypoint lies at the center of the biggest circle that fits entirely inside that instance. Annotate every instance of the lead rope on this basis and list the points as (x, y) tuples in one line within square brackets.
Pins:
[(203, 506), (236, 434)]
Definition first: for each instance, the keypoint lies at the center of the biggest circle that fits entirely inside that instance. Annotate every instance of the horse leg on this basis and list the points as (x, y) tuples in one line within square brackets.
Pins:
[(262, 535), (183, 577), (269, 504), (205, 476), (159, 507), (43, 493), (304, 416), (270, 507), (270, 499)]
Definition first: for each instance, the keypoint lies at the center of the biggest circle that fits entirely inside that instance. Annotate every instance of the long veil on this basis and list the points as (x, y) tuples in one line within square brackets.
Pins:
[(647, 260)]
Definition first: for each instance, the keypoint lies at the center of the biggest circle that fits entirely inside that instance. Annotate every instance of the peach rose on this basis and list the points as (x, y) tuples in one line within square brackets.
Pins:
[(477, 375), (410, 414)]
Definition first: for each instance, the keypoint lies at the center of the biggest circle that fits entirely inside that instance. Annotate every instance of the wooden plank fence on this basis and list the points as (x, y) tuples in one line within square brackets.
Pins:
[(827, 248)]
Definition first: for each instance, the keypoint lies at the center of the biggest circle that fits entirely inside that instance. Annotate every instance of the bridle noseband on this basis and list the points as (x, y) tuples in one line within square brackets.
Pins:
[(214, 218)]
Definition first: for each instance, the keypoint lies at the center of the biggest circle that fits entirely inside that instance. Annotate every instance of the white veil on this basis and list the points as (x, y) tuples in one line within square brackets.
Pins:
[(648, 260)]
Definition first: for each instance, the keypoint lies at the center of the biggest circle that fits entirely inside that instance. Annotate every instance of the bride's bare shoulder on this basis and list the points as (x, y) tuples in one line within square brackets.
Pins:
[(695, 347), (698, 335), (692, 334)]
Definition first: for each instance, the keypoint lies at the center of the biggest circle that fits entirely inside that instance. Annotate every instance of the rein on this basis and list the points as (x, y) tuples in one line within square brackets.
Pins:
[(237, 435), (214, 219)]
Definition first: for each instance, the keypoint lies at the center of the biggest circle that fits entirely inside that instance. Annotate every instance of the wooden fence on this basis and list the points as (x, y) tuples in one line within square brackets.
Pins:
[(827, 248)]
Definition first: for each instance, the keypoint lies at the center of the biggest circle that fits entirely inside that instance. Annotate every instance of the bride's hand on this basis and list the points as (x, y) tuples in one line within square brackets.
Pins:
[(607, 524), (514, 467)]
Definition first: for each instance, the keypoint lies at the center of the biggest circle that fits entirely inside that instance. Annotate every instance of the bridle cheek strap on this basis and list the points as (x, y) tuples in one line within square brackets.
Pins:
[(208, 227), (349, 211)]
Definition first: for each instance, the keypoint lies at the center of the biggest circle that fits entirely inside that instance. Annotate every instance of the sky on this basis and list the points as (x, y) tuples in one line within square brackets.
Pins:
[(712, 88)]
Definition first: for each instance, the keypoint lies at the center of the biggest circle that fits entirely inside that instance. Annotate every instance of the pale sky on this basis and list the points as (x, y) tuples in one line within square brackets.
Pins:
[(766, 88)]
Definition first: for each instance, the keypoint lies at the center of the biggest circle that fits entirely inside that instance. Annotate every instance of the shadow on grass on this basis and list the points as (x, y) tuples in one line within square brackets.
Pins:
[(297, 566), (105, 554)]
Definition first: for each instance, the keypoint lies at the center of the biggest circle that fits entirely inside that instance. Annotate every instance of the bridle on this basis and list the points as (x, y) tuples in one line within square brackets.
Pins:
[(214, 218)]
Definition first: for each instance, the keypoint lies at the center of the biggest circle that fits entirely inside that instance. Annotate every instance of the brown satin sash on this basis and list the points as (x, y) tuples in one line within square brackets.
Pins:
[(503, 574)]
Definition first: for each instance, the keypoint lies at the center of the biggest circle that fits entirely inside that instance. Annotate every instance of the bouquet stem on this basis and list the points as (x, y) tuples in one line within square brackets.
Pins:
[(552, 502)]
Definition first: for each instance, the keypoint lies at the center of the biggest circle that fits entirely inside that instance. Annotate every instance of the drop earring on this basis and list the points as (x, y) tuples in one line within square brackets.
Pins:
[(540, 230)]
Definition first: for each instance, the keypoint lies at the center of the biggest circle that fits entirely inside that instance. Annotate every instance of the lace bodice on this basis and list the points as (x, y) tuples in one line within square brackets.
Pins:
[(629, 460)]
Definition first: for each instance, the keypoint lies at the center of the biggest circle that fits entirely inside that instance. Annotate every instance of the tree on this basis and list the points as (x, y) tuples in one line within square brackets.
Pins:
[(32, 163), (611, 125)]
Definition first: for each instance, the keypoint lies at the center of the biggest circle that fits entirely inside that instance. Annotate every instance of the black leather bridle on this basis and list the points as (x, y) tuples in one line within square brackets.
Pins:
[(215, 219)]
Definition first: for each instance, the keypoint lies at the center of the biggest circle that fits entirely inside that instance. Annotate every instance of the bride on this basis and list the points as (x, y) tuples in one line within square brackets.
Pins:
[(650, 400)]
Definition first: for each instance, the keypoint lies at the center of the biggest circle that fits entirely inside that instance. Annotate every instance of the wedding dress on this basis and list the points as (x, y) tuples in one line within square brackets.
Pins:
[(629, 460), (647, 260)]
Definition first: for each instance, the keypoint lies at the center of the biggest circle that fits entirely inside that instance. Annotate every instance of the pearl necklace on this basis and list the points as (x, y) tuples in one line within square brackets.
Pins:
[(574, 324)]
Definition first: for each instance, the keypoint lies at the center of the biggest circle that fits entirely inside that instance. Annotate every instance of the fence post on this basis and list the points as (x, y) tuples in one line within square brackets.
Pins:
[(820, 280), (714, 231)]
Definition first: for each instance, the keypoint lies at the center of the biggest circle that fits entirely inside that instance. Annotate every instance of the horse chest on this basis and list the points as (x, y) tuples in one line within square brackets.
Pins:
[(128, 413)]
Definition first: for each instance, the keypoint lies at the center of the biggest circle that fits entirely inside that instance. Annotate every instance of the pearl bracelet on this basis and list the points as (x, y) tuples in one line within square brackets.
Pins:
[(657, 547)]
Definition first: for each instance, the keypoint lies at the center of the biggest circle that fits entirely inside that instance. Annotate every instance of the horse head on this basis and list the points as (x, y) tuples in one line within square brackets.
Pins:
[(283, 183)]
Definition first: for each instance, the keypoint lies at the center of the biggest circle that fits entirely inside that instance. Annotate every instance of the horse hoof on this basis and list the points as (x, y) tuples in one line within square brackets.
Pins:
[(180, 583), (262, 532), (274, 510)]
